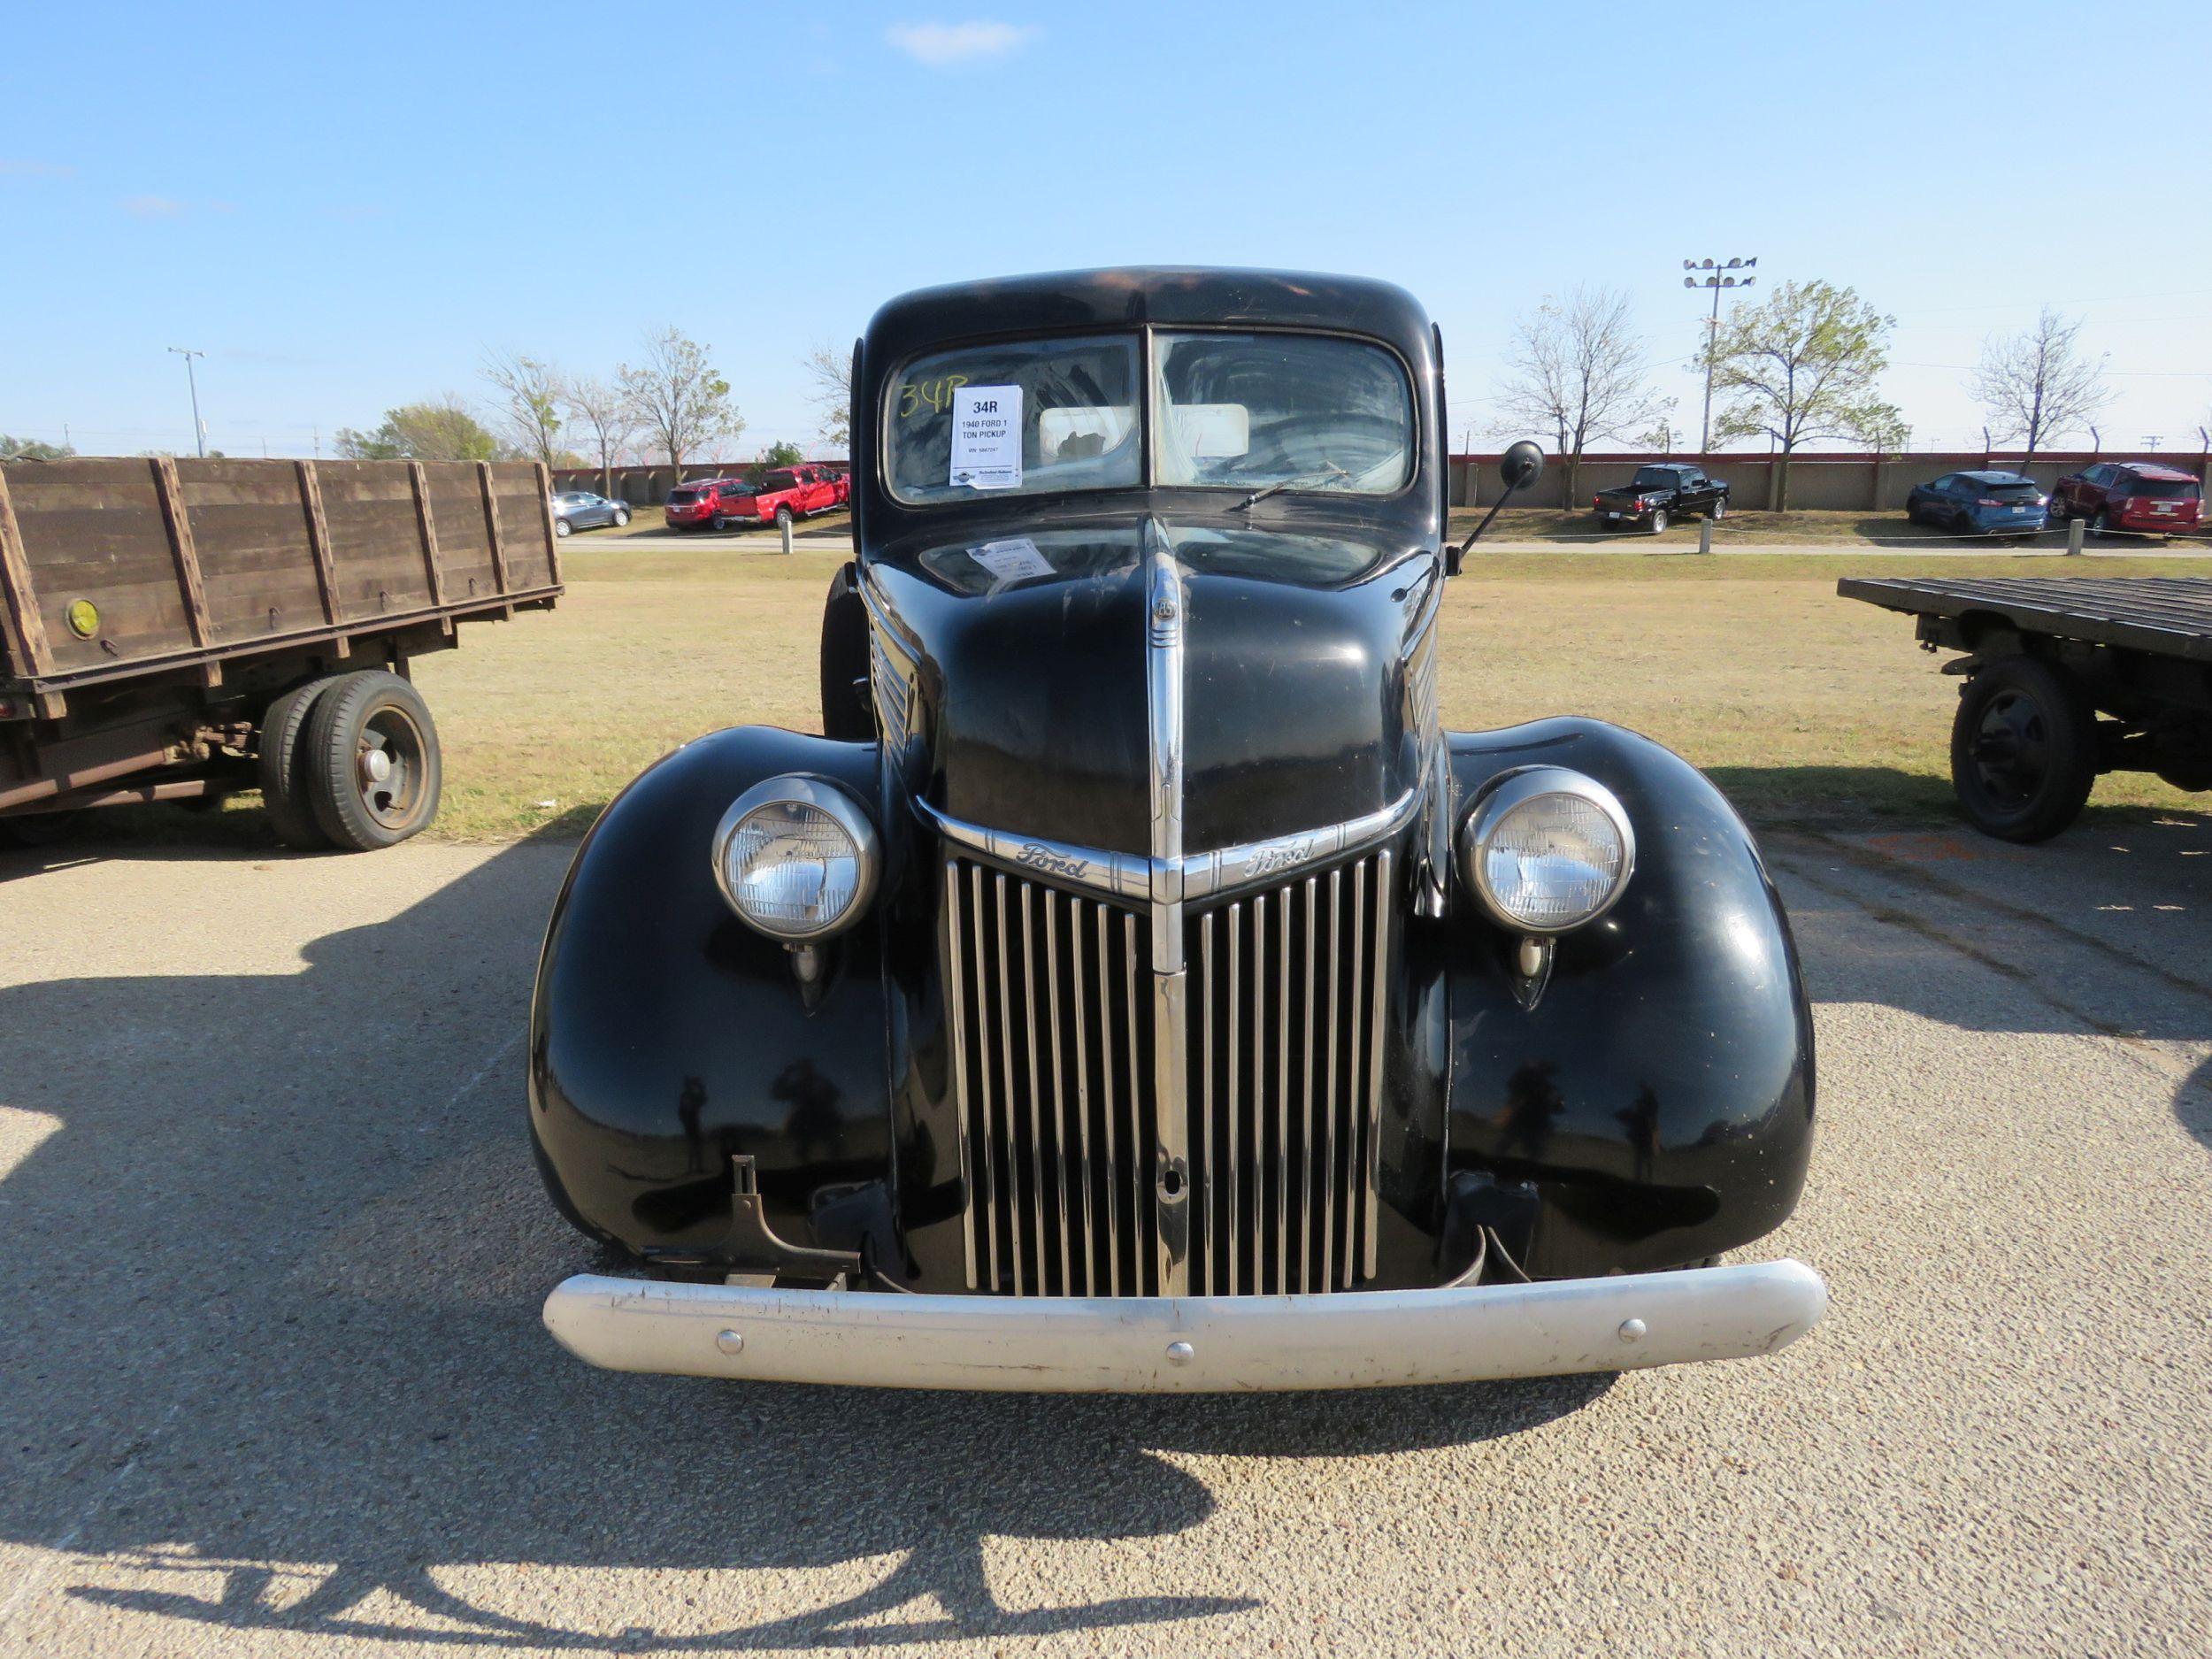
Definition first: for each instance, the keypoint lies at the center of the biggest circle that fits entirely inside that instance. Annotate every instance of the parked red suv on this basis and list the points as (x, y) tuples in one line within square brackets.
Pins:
[(2128, 496), (719, 502)]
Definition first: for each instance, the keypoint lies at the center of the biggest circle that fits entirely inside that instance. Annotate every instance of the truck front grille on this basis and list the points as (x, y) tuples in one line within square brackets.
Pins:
[(1050, 1016)]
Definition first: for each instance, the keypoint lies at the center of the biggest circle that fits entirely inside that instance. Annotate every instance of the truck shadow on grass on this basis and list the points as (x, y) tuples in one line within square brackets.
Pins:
[(268, 1314)]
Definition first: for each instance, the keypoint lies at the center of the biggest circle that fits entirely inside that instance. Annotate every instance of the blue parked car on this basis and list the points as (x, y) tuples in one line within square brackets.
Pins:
[(1980, 503)]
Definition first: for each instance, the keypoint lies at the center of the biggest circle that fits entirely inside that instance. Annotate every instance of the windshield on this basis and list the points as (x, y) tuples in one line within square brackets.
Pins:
[(1018, 417), (1309, 411), (1654, 477), (2161, 488)]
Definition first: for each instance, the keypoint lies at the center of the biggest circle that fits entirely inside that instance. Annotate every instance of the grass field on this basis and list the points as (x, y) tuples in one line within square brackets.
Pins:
[(1804, 706)]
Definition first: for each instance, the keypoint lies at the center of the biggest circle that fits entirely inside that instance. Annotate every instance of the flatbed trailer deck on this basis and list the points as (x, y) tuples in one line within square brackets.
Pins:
[(181, 628), (2065, 679)]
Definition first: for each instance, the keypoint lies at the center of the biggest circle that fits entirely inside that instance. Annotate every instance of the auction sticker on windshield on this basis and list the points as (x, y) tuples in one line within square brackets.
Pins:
[(1010, 561), (986, 436)]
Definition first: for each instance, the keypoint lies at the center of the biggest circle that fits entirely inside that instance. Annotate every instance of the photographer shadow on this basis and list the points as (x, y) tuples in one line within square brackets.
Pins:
[(269, 1295)]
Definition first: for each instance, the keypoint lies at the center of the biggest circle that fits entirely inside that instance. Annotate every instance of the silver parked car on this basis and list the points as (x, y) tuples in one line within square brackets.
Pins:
[(580, 510)]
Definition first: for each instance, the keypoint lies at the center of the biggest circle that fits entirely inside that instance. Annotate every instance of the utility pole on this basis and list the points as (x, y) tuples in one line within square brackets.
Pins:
[(1715, 279), (199, 433)]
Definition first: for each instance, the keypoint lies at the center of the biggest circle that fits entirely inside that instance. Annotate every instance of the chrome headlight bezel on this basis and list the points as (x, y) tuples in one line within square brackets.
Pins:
[(834, 802), (1516, 788)]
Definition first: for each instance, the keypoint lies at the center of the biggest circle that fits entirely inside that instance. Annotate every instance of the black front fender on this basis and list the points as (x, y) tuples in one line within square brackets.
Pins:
[(667, 1038), (1655, 1087)]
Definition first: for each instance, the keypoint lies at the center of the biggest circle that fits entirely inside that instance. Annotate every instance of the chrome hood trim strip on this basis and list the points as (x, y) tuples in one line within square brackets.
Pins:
[(1202, 875)]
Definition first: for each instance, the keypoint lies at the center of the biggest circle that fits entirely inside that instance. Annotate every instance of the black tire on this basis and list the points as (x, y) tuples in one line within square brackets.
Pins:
[(621, 517), (358, 808), (848, 713), (783, 517), (720, 523), (1719, 509), (30, 831), (281, 763), (1658, 525), (2023, 748), (2098, 524), (560, 526)]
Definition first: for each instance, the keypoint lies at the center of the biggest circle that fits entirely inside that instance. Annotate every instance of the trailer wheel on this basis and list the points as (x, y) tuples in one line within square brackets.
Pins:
[(282, 763), (2023, 748), (373, 766)]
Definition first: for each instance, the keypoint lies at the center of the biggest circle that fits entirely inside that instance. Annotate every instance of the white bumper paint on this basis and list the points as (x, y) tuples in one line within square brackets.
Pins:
[(1186, 1344)]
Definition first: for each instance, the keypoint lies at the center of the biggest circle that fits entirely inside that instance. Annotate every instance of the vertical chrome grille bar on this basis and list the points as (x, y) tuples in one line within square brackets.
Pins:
[(1062, 1141), (1282, 1092), (956, 1027), (1379, 969), (1259, 1094), (1036, 1108), (1234, 1103), (1355, 1141), (1106, 1075), (1309, 1199), (1088, 1253), (1328, 1087), (1140, 1234), (1203, 1177), (986, 1132), (1006, 1077)]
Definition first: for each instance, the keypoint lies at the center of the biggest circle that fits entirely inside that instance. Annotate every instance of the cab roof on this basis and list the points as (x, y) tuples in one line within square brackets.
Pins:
[(2153, 469), (1131, 295)]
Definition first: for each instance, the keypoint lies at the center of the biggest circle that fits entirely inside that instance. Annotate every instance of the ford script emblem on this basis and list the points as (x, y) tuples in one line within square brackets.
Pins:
[(1044, 858), (1270, 859)]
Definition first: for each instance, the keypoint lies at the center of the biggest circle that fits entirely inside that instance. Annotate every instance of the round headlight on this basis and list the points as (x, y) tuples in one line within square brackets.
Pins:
[(1547, 850), (796, 858)]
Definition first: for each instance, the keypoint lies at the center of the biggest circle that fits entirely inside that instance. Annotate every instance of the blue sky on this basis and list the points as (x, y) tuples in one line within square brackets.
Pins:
[(346, 207)]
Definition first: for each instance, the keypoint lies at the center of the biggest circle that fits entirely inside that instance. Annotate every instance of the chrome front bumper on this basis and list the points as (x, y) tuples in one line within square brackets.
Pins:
[(1188, 1344)]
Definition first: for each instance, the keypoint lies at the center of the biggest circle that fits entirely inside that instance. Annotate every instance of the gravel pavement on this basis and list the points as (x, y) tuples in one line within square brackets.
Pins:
[(271, 1378)]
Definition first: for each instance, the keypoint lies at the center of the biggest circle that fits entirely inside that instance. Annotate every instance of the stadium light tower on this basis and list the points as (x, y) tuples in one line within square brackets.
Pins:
[(199, 431), (1716, 277)]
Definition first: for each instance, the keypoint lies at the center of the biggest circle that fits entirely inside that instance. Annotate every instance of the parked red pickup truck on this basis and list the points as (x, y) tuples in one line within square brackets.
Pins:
[(786, 493)]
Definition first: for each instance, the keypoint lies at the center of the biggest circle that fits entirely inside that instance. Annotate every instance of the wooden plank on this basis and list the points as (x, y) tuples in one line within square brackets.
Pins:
[(427, 524), (491, 529), (186, 556), (319, 542), (545, 513), (26, 631)]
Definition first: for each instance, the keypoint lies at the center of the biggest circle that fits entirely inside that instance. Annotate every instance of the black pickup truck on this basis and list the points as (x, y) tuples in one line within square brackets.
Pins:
[(1657, 495)]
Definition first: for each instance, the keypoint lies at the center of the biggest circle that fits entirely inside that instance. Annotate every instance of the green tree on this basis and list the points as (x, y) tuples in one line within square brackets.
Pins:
[(531, 403), (12, 449), (784, 454), (443, 430), (680, 403), (1801, 366)]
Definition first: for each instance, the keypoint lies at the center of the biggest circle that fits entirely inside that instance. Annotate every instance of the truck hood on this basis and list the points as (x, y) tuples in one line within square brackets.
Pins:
[(1030, 674)]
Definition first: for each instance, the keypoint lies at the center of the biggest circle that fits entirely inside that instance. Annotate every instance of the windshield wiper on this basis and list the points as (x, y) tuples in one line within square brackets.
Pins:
[(1290, 483)]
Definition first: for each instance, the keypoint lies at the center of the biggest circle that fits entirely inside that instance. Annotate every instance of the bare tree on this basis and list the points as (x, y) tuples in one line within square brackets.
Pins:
[(530, 404), (1804, 365), (831, 373), (680, 403), (2035, 384), (1577, 368), (604, 412)]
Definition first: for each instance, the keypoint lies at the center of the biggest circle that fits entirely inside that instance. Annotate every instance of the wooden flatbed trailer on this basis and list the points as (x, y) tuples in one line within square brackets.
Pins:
[(2065, 679), (179, 629)]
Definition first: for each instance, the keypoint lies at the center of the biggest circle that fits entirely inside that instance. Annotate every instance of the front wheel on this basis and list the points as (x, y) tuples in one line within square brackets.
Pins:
[(560, 526), (621, 517), (2023, 748), (374, 773), (1659, 522), (1720, 508)]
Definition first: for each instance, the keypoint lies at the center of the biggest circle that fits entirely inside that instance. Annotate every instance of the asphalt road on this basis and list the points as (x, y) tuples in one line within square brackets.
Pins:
[(272, 1381)]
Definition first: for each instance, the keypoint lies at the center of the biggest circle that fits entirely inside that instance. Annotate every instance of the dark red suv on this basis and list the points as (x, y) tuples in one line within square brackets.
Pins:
[(2128, 496), (719, 502)]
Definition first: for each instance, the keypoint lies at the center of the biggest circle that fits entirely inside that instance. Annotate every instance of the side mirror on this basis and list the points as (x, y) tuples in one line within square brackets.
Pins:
[(1521, 465)]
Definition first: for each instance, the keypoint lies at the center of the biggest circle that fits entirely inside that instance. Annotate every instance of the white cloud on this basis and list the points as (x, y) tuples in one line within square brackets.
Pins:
[(942, 45), (153, 207)]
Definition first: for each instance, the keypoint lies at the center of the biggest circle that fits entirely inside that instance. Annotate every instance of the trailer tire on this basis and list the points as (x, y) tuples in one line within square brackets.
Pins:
[(280, 762), (359, 804), (2023, 748)]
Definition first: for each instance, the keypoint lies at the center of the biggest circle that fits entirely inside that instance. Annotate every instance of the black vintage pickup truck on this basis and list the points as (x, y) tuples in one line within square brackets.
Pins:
[(1658, 495)]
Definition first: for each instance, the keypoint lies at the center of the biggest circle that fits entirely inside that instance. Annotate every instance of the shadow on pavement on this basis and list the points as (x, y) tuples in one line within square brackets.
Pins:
[(269, 1318)]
